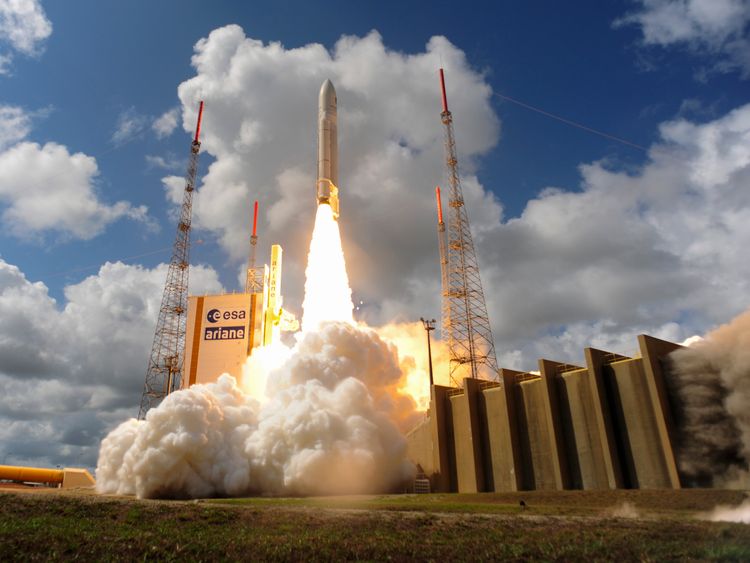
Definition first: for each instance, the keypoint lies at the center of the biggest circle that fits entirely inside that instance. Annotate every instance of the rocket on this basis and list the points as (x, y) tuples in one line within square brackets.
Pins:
[(328, 149)]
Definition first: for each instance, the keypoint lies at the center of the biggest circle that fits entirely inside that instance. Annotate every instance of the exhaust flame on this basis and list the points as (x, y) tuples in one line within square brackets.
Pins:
[(328, 296)]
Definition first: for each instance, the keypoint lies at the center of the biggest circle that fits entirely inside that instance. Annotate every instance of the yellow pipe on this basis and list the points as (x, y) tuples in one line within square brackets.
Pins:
[(31, 474)]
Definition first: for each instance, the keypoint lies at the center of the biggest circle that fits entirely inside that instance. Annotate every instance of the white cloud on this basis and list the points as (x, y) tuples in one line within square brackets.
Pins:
[(71, 373), (165, 125), (15, 125), (5, 61), (654, 250), (46, 189), (130, 125), (24, 27), (260, 125), (657, 250), (717, 28), (165, 163)]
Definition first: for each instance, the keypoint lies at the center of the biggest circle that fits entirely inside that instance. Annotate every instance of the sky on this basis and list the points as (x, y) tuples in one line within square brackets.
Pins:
[(604, 150)]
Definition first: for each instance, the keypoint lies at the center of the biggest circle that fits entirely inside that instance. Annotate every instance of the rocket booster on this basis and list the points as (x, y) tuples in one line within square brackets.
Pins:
[(328, 149)]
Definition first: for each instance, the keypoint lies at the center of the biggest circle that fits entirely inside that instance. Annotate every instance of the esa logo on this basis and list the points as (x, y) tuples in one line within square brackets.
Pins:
[(214, 315)]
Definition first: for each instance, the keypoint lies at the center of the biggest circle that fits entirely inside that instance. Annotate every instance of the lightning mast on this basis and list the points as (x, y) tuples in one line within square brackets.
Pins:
[(165, 362), (254, 279), (464, 313)]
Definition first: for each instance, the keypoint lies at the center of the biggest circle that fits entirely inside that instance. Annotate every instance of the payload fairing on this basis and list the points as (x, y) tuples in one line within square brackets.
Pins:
[(328, 149)]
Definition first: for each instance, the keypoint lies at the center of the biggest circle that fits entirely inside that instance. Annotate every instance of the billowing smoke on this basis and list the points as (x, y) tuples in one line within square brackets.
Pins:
[(710, 381), (325, 426), (320, 418)]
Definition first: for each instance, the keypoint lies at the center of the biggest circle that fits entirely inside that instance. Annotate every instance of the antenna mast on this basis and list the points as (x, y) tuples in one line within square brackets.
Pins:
[(254, 279), (167, 351), (465, 320)]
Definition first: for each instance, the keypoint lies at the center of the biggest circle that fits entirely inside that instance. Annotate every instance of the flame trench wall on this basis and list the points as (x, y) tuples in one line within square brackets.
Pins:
[(603, 426)]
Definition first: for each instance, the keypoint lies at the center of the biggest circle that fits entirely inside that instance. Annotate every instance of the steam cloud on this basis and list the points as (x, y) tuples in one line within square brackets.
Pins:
[(723, 513), (325, 427), (711, 382)]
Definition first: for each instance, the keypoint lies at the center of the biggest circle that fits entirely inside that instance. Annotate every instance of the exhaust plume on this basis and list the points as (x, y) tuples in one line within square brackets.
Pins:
[(711, 382), (325, 428), (328, 296), (319, 418)]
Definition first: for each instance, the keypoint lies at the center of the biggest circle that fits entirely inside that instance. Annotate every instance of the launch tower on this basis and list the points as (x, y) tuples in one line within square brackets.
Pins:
[(464, 313), (167, 351)]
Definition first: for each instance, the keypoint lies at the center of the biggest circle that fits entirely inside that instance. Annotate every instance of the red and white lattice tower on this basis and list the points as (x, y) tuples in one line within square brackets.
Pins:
[(466, 325), (168, 349)]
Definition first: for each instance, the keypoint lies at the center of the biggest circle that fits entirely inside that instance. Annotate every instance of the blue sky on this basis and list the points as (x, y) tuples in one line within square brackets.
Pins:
[(105, 58), (581, 238)]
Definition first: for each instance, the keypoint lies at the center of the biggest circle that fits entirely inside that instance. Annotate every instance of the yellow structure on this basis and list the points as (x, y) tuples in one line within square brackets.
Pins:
[(273, 298), (223, 330), (67, 478)]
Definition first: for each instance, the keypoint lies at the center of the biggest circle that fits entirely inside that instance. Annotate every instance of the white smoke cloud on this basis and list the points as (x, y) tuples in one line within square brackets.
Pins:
[(624, 510), (324, 427), (722, 513)]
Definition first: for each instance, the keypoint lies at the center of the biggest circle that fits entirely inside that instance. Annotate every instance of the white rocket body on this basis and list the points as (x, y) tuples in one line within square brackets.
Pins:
[(328, 149)]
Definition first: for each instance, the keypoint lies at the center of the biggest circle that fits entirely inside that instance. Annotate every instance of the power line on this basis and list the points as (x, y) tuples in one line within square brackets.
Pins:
[(571, 122), (93, 266)]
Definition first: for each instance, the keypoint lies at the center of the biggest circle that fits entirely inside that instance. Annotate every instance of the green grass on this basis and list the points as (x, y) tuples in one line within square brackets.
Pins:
[(555, 526)]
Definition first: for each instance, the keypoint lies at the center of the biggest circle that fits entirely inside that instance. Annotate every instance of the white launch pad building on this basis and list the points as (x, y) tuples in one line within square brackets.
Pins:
[(223, 330)]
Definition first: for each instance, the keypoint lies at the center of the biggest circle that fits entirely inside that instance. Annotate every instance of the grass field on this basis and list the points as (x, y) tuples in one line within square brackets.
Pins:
[(623, 525)]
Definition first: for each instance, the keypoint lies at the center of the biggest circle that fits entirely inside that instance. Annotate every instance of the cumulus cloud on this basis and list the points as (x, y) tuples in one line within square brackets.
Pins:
[(715, 28), (259, 124), (46, 189), (70, 371), (15, 125), (652, 249), (656, 248), (649, 250), (165, 124), (23, 27)]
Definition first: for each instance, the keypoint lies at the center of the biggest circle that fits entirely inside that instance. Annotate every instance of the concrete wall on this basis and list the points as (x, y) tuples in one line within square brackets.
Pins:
[(467, 436), (636, 426), (604, 426), (582, 440), (443, 477), (419, 447), (503, 447), (654, 353), (610, 459), (541, 469)]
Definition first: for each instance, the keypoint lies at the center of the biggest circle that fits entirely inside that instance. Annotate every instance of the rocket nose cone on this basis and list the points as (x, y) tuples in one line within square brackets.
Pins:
[(327, 95)]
